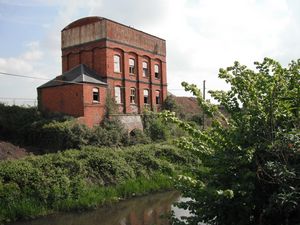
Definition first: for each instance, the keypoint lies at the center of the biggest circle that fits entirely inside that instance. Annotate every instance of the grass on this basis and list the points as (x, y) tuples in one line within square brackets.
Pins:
[(90, 198)]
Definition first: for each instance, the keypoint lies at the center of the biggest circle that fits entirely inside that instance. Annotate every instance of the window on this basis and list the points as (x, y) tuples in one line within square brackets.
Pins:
[(131, 66), (146, 96), (118, 95), (95, 94), (156, 71), (117, 63), (132, 95), (157, 97), (145, 69)]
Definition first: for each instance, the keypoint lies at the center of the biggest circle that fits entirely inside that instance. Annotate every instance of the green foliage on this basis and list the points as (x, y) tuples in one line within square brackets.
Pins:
[(13, 118), (110, 133), (137, 136), (154, 128), (110, 105), (253, 161), (170, 104), (76, 179), (25, 126)]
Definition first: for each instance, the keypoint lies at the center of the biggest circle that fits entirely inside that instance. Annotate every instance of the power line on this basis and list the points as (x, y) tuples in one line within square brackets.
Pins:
[(6, 98), (63, 81), (23, 76), (38, 78)]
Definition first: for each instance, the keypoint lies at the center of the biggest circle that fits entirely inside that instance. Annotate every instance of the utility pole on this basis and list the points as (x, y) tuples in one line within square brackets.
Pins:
[(203, 114)]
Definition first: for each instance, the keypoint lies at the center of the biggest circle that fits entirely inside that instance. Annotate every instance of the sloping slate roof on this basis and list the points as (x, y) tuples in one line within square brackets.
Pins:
[(79, 74)]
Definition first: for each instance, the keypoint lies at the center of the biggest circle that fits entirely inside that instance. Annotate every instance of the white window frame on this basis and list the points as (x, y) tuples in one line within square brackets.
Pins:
[(145, 69), (118, 94), (131, 66), (117, 63), (132, 95)]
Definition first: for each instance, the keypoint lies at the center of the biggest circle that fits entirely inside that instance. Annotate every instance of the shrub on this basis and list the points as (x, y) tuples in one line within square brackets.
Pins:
[(109, 133), (154, 128), (31, 185), (137, 136)]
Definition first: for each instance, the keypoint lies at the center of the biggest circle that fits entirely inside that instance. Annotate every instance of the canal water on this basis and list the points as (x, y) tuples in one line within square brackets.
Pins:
[(147, 210)]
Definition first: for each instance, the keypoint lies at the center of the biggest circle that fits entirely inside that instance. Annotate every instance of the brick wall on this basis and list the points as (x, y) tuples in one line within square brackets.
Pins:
[(75, 100), (65, 99), (93, 111), (92, 29)]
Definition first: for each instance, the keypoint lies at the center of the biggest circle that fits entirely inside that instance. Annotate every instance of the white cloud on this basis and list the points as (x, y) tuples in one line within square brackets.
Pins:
[(30, 63), (201, 35)]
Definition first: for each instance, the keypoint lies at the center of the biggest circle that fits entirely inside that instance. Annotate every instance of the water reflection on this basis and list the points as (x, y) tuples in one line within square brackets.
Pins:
[(138, 211)]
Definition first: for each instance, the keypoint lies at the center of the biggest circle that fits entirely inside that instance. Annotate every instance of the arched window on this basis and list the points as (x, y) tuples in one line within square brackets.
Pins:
[(117, 63), (132, 95), (157, 97), (131, 66), (145, 69), (96, 95), (118, 95), (146, 96), (156, 71)]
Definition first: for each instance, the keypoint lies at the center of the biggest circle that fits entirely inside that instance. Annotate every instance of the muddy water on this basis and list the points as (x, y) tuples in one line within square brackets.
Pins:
[(146, 210)]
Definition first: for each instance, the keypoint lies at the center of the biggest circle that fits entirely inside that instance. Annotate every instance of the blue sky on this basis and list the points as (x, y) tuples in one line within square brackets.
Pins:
[(20, 24), (202, 35)]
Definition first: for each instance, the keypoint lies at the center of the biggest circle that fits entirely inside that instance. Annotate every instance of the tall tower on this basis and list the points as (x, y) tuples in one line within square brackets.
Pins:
[(128, 59), (101, 57)]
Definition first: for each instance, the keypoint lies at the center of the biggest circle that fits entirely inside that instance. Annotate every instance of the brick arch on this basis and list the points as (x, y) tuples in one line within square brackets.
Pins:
[(121, 51), (132, 53), (146, 57)]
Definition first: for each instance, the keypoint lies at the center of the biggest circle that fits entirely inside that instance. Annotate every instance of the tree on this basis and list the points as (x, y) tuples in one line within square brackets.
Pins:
[(110, 105), (252, 173)]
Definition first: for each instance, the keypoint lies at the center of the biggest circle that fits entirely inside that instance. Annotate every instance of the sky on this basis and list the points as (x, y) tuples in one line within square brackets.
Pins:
[(202, 36)]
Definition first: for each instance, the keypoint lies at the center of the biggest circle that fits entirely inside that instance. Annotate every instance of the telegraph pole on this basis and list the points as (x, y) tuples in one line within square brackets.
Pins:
[(203, 114)]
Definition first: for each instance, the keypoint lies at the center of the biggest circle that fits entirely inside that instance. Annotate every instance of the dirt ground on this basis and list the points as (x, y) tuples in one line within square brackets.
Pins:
[(10, 151)]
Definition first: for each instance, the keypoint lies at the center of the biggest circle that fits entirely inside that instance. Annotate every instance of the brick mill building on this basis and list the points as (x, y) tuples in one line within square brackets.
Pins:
[(100, 56)]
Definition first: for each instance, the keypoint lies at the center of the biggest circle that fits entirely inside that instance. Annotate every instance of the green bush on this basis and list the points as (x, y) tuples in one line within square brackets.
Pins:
[(53, 132), (13, 118), (34, 184), (110, 133), (137, 136), (154, 127)]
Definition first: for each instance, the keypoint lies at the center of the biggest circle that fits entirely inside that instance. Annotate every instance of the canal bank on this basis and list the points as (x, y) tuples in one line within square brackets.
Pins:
[(146, 210), (87, 178)]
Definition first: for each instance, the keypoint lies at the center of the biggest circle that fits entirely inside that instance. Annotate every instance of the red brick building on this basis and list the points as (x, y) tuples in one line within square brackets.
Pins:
[(100, 56)]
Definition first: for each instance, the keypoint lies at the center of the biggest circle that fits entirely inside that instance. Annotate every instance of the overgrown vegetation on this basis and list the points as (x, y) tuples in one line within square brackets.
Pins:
[(253, 163), (27, 126), (79, 179)]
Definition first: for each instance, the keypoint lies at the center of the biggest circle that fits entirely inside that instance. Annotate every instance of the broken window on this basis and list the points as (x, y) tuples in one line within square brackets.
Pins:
[(131, 66), (156, 71), (145, 69), (146, 96), (95, 94), (132, 95), (157, 97)]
